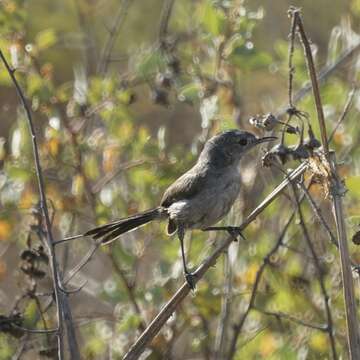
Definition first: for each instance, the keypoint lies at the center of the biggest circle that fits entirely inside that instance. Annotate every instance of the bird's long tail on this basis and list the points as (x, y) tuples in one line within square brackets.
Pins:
[(110, 232)]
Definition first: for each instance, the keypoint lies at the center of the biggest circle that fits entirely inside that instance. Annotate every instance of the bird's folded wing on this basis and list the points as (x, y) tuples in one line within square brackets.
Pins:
[(185, 187)]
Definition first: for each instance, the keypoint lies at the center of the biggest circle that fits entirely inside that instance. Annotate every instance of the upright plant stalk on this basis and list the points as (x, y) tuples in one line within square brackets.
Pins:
[(336, 188), (62, 306)]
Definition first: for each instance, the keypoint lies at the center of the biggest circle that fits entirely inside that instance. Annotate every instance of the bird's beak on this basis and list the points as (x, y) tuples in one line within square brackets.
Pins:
[(264, 139)]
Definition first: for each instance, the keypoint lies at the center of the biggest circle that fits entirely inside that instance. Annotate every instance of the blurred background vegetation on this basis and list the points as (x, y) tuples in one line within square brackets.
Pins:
[(123, 99)]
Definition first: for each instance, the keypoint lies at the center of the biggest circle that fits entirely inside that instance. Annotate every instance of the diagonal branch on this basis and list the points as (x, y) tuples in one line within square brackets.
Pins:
[(345, 111), (155, 326)]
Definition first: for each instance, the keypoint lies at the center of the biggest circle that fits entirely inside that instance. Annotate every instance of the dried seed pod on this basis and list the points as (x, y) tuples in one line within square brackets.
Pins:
[(279, 151), (29, 269), (266, 122), (269, 121), (356, 238), (312, 142), (32, 255), (8, 324), (256, 121), (42, 256), (293, 111), (28, 255), (291, 129), (299, 152), (37, 273)]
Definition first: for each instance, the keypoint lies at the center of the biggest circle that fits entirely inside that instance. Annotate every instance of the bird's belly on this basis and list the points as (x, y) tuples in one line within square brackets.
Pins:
[(207, 208)]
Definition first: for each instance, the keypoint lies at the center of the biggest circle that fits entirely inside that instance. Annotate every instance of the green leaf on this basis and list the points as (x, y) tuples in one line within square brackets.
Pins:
[(353, 185), (129, 322), (213, 19), (189, 92), (18, 173), (148, 63), (45, 39), (30, 314), (249, 59)]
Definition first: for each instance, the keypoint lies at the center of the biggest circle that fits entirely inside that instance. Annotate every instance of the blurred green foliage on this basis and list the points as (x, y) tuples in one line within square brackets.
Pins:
[(110, 144)]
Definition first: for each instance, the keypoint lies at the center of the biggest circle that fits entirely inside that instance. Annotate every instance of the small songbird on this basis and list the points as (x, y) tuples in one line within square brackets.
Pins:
[(199, 198)]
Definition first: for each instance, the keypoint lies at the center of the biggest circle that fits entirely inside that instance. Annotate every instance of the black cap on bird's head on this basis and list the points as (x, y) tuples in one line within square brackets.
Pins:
[(229, 146)]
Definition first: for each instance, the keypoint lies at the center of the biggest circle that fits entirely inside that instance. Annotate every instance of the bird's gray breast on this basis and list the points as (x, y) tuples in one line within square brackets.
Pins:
[(211, 203)]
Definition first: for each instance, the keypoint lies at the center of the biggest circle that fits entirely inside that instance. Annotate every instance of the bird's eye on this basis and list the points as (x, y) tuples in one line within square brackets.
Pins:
[(243, 141)]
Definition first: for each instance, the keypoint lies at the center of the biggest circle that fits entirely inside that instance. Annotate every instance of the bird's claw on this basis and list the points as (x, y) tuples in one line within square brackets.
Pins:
[(190, 279), (235, 232)]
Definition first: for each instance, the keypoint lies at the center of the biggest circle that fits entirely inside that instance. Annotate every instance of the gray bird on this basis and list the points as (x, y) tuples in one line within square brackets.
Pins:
[(197, 199)]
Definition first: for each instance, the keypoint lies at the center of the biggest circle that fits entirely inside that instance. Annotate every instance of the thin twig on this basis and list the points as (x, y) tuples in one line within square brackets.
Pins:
[(70, 238), (129, 289), (346, 109), (61, 299), (324, 73), (113, 34), (164, 20), (221, 332), (290, 64), (154, 327), (111, 175), (237, 328), (313, 76), (280, 315), (35, 331), (82, 263), (329, 328), (319, 215)]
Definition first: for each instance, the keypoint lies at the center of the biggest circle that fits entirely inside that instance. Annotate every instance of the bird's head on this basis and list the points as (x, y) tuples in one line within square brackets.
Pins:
[(229, 146)]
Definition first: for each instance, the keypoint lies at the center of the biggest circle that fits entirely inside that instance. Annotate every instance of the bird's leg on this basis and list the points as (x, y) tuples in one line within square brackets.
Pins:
[(189, 277), (233, 231)]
